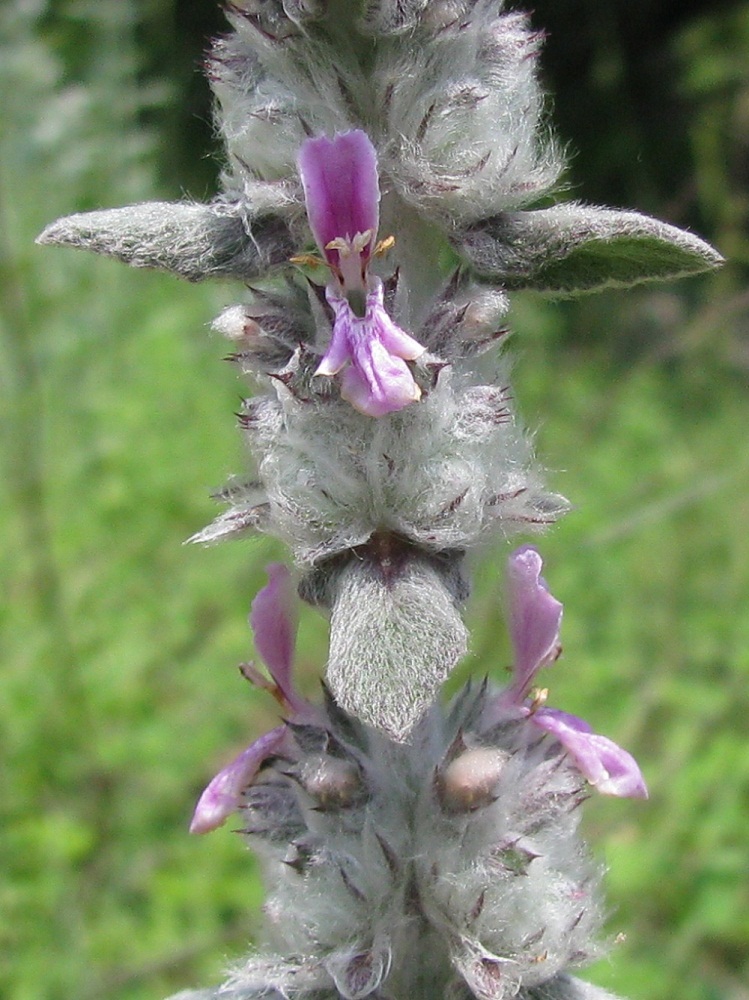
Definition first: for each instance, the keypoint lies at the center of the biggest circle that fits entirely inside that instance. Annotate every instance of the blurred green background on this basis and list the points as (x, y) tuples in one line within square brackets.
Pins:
[(119, 697)]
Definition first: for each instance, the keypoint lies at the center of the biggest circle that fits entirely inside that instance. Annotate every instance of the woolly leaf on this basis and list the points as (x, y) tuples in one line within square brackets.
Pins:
[(192, 240), (572, 248), (304, 10), (393, 16), (393, 641)]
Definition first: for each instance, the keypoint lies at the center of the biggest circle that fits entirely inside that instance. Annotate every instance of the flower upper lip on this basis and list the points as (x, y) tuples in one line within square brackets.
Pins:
[(342, 193)]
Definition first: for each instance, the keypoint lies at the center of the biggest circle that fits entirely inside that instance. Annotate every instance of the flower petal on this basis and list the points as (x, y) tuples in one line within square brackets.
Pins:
[(338, 352), (605, 765), (535, 618), (341, 188), (395, 340), (223, 794), (273, 620), (377, 383)]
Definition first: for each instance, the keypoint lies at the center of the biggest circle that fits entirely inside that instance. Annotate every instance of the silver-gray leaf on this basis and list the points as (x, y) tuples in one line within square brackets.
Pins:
[(192, 240), (573, 248), (393, 641)]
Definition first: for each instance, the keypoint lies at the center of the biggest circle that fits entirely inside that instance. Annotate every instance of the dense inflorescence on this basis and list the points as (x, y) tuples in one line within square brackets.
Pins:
[(389, 178), (414, 868)]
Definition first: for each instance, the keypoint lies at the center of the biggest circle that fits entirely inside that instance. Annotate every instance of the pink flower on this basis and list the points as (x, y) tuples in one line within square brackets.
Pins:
[(341, 189), (273, 621), (535, 618)]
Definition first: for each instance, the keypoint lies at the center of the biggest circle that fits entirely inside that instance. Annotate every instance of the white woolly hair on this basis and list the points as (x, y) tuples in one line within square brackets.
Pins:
[(448, 867), (271, 98), (463, 137), (395, 636), (445, 473), (453, 105)]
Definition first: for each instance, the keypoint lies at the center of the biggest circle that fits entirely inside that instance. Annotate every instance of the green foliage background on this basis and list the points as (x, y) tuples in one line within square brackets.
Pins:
[(119, 698)]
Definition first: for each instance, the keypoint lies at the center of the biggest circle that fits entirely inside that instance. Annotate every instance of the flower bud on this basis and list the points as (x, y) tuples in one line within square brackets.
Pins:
[(469, 782), (333, 783)]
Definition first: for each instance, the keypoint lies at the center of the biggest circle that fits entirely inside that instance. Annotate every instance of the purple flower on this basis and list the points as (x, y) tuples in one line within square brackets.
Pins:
[(341, 189), (223, 794), (273, 622), (535, 618)]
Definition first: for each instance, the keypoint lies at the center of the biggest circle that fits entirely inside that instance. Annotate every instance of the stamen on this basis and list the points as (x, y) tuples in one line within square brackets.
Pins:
[(538, 698), (308, 260), (384, 245)]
